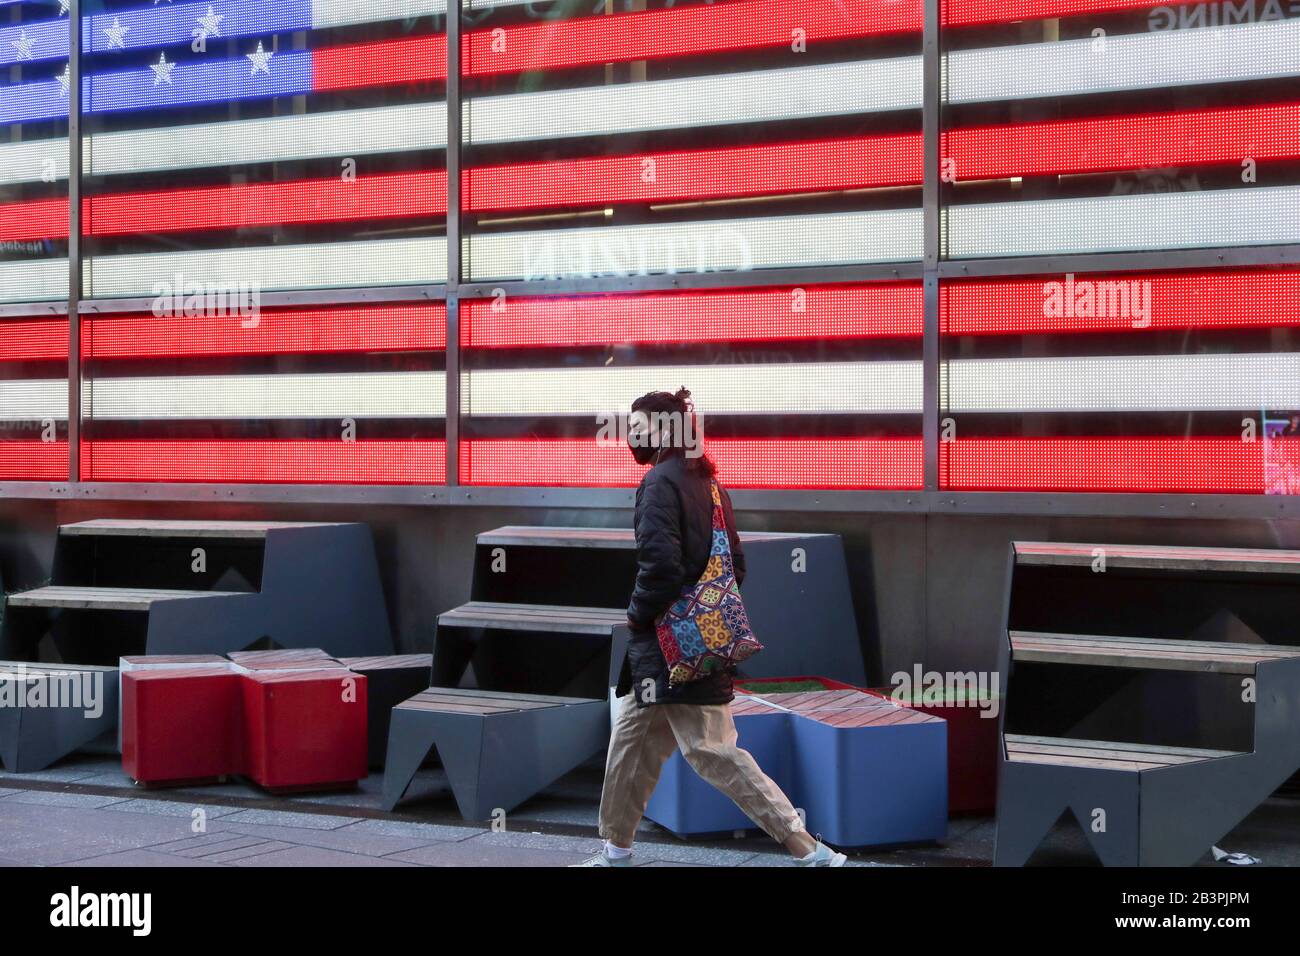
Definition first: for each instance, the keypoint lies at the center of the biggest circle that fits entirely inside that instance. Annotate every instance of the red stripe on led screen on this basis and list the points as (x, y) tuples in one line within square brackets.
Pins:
[(385, 196), (1137, 465), (785, 168), (971, 12), (378, 462), (1097, 303), (34, 219), (385, 63), (33, 461), (846, 463), (383, 328), (683, 32), (30, 340), (1187, 138), (796, 312)]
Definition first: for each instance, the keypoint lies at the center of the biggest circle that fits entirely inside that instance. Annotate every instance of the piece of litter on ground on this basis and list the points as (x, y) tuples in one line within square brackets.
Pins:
[(1237, 859)]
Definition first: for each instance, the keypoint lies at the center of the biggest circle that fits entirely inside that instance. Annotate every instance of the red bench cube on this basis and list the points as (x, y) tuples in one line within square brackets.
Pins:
[(181, 724), (305, 729)]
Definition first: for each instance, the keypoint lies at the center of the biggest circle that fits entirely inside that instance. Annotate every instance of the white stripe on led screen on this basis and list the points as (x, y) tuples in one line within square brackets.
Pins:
[(337, 13), (33, 399), (388, 129), (804, 388), (836, 89), (1128, 383), (337, 395), (1263, 215), (1140, 61), (42, 160), (718, 245), (325, 266), (34, 281)]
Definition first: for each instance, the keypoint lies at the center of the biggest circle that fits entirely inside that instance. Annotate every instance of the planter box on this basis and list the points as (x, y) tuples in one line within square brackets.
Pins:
[(863, 776), (181, 724), (825, 683), (973, 747), (688, 806)]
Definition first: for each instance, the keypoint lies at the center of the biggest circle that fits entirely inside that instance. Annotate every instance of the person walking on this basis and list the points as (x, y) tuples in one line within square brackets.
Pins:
[(674, 538)]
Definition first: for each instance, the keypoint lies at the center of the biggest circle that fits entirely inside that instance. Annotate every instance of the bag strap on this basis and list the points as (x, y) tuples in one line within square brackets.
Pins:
[(715, 490)]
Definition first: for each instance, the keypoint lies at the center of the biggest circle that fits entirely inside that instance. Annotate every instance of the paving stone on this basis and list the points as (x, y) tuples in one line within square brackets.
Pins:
[(45, 835), (252, 850), (61, 774), (140, 858), (345, 839), (441, 833), (479, 853), (170, 808), (209, 844), (318, 856), (287, 818), (59, 798)]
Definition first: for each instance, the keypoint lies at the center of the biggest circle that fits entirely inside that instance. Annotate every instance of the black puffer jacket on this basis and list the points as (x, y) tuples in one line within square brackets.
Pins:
[(674, 532)]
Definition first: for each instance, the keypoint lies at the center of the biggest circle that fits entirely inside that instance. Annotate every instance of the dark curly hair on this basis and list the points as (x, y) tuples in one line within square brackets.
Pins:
[(679, 403)]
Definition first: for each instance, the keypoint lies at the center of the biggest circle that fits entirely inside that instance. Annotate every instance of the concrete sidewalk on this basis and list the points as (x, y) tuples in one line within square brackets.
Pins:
[(86, 812)]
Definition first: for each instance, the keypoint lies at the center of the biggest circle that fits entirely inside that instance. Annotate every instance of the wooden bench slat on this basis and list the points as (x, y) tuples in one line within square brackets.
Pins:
[(1143, 653), (506, 608), (120, 599), (452, 707), (1159, 557), (502, 695), (1066, 751), (1097, 763), (1145, 756), (164, 528), (539, 536), (533, 617), (1259, 651)]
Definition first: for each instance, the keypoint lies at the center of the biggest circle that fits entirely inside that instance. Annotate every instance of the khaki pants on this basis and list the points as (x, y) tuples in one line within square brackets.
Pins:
[(645, 737)]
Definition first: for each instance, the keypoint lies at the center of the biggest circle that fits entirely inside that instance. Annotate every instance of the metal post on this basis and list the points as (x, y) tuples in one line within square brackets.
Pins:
[(74, 241), (931, 199), (453, 241)]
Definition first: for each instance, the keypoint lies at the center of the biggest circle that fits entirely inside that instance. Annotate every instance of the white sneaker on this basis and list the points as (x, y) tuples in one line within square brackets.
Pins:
[(821, 856), (600, 859)]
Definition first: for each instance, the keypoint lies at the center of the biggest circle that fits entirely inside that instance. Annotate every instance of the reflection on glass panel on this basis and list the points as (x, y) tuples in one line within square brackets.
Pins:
[(328, 394), (1137, 382), (265, 145), (33, 151), (1081, 126), (638, 137), (795, 387), (33, 241)]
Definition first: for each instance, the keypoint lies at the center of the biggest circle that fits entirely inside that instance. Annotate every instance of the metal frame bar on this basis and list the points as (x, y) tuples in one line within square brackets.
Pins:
[(1030, 504), (74, 242), (931, 271), (931, 201), (454, 158)]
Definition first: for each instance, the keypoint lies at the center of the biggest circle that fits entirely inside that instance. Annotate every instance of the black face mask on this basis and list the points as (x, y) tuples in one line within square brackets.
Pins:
[(643, 454)]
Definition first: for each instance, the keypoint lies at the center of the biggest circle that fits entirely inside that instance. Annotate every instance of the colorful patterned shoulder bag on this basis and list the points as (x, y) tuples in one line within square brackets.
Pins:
[(707, 628)]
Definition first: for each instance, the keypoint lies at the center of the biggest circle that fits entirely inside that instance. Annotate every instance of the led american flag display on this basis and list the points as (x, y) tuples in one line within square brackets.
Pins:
[(1101, 127), (691, 137), (238, 148), (241, 147), (797, 387)]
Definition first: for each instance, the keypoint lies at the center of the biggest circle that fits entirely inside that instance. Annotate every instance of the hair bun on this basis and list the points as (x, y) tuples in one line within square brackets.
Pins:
[(683, 395)]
